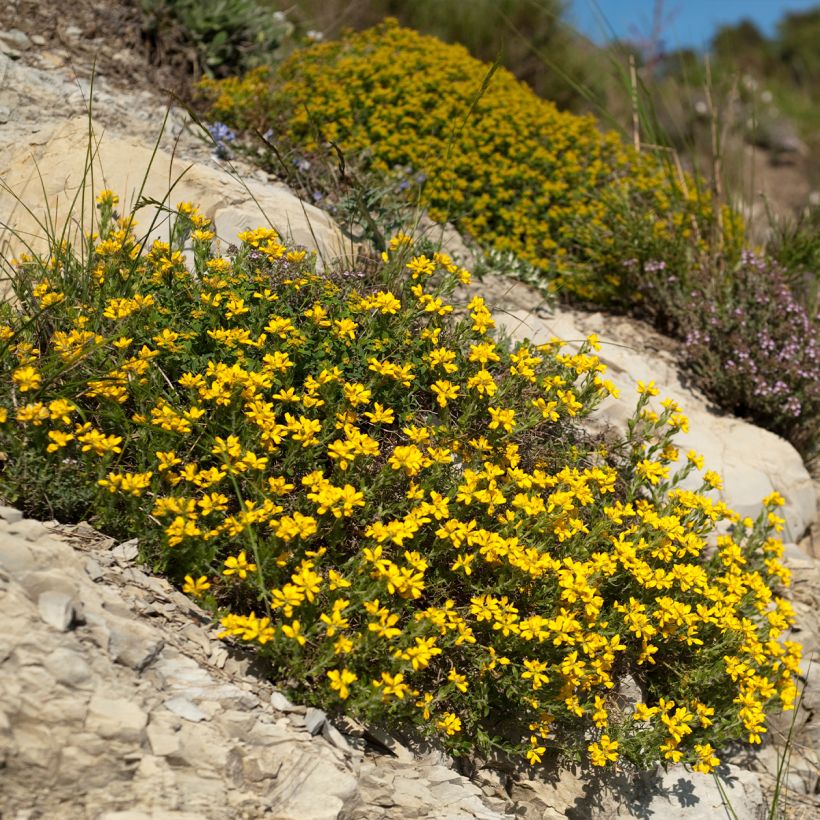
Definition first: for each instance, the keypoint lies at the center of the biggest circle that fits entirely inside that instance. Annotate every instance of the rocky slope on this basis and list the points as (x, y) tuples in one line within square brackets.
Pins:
[(117, 701)]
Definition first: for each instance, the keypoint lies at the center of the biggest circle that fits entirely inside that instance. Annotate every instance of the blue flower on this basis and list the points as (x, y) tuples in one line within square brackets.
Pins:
[(221, 133)]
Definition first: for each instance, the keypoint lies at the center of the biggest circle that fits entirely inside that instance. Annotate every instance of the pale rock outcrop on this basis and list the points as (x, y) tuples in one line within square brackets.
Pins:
[(58, 178)]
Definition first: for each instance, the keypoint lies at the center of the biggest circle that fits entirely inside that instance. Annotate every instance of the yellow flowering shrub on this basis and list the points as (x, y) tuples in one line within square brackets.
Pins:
[(400, 511), (504, 165)]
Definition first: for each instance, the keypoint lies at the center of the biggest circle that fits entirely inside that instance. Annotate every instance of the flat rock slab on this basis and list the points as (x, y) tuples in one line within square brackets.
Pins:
[(53, 178)]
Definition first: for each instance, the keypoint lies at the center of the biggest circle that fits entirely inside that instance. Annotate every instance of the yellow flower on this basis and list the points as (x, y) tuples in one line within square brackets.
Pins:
[(394, 685), (107, 197), (345, 329), (26, 378), (463, 563), (713, 479), (603, 752), (356, 394), (774, 499), (195, 587), (408, 458), (502, 417), (706, 761), (238, 565), (445, 391), (460, 681), (294, 632), (100, 443), (652, 471), (340, 680), (59, 439), (380, 415), (535, 752), (449, 723), (483, 383)]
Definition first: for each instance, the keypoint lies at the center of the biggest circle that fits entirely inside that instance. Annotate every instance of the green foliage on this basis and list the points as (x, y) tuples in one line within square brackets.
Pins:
[(227, 36), (528, 37), (505, 167), (795, 245), (399, 511)]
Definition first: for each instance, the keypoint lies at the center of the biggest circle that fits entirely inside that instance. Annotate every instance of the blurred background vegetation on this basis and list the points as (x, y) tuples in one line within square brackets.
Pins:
[(746, 108)]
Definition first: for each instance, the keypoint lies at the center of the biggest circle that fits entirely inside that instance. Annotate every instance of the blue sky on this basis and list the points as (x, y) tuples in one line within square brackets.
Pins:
[(686, 23)]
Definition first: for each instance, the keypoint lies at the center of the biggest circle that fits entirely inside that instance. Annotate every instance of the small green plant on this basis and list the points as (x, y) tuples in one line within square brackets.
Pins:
[(400, 511), (795, 246), (226, 36)]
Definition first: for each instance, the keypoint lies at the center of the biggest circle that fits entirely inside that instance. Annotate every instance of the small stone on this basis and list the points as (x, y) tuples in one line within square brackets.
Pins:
[(164, 739), (50, 59), (333, 736), (58, 609), (67, 667), (126, 552), (93, 569), (236, 667), (115, 718), (73, 31), (10, 514), (5, 113), (236, 722), (38, 39), (218, 657), (314, 720), (14, 39), (198, 637), (281, 703), (134, 645), (185, 709)]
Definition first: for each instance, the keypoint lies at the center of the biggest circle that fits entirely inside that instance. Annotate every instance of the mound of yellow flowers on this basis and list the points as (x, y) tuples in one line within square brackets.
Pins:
[(399, 510), (505, 166)]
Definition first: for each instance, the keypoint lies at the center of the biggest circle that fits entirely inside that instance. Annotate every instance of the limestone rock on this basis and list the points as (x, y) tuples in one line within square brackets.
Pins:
[(133, 644), (115, 718), (58, 609), (68, 667), (185, 709), (125, 164), (14, 40), (314, 720)]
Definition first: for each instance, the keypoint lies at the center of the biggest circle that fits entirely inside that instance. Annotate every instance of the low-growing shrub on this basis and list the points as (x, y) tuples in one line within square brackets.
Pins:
[(398, 510), (219, 36), (749, 326), (756, 350), (505, 166)]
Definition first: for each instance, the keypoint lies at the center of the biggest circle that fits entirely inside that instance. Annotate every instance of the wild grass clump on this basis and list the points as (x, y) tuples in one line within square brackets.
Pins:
[(503, 165), (400, 511)]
